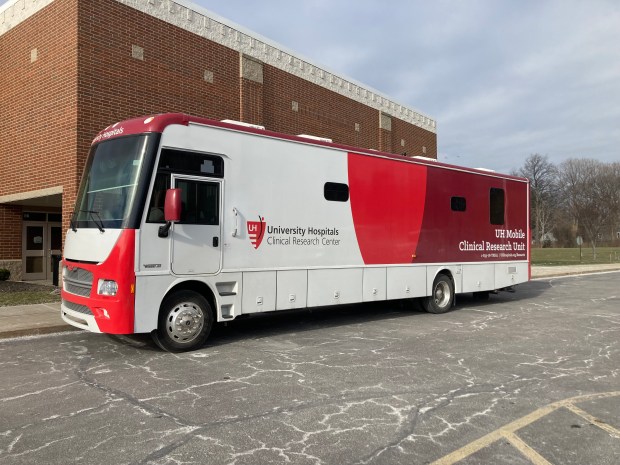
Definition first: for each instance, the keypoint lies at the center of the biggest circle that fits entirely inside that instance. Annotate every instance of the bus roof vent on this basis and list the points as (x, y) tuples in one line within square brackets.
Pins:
[(241, 123), (320, 139)]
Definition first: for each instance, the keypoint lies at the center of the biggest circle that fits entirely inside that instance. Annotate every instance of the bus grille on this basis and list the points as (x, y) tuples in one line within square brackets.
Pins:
[(77, 281), (77, 307)]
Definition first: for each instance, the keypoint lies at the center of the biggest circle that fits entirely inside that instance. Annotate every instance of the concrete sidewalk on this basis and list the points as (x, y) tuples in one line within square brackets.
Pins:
[(29, 320), (556, 271)]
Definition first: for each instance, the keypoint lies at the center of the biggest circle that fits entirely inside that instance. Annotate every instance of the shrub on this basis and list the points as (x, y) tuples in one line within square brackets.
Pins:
[(4, 274)]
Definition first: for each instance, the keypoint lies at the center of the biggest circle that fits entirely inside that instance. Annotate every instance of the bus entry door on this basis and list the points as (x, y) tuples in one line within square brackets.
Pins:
[(196, 238)]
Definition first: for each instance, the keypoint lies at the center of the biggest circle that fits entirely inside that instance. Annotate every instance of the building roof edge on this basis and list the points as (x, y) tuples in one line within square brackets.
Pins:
[(14, 12), (207, 24), (198, 20)]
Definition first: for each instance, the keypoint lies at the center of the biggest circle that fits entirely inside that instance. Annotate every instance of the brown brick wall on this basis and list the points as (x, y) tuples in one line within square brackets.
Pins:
[(85, 78), (385, 140), (251, 101), (114, 86), (324, 113), (320, 112), (415, 139), (37, 111), (11, 243)]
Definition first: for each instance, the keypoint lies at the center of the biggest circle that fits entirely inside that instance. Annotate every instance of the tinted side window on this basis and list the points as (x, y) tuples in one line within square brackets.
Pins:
[(497, 205), (336, 192), (184, 162), (458, 204)]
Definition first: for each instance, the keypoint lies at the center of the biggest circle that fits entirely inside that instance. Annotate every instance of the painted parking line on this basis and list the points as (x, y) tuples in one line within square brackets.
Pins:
[(525, 449), (509, 431), (594, 421)]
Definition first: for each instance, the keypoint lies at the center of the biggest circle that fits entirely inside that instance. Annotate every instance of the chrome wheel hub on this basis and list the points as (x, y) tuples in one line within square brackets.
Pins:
[(185, 321), (442, 294)]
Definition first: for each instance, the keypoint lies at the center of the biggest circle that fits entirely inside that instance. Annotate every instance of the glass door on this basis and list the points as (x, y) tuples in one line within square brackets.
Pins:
[(34, 248), (54, 246), (41, 241)]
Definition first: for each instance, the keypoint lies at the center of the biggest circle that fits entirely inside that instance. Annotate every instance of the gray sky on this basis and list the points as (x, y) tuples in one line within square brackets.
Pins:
[(502, 78)]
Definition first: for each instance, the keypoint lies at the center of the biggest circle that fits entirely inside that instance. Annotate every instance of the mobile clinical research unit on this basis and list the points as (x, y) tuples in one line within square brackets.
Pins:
[(181, 222)]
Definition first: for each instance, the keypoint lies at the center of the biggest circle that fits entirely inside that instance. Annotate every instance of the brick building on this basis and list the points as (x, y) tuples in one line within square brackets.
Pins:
[(69, 68)]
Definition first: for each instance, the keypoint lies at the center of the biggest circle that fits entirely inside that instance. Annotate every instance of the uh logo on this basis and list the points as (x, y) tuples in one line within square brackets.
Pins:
[(256, 231)]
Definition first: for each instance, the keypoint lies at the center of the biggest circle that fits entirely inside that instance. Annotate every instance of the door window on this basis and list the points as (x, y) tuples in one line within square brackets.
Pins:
[(34, 238), (34, 250), (200, 202)]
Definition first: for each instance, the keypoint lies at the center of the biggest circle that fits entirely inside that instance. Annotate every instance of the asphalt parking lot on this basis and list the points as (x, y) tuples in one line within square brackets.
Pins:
[(529, 377)]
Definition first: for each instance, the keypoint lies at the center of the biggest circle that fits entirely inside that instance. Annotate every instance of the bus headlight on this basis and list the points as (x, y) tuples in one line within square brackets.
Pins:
[(107, 287)]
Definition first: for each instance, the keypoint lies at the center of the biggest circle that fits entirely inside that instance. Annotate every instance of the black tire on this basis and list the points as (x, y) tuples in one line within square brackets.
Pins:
[(185, 321), (416, 304), (442, 297)]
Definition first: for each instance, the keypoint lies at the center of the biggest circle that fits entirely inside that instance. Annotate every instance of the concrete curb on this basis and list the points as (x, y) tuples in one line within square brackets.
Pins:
[(541, 272), (32, 320), (36, 331), (574, 273)]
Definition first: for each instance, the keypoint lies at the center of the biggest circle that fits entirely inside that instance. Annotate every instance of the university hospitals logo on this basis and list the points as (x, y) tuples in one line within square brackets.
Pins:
[(291, 235), (256, 231)]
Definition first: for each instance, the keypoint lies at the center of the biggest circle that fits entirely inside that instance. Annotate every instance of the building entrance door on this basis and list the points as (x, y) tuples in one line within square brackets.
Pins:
[(33, 244), (54, 246), (40, 241)]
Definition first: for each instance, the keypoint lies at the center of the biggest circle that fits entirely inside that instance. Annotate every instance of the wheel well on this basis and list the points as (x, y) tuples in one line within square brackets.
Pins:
[(200, 288), (447, 273)]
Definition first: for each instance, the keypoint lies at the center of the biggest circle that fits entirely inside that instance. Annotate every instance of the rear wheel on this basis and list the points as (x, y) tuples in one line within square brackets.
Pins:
[(442, 297), (185, 321)]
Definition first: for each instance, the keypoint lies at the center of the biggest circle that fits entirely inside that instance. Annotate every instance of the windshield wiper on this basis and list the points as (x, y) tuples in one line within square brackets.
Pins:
[(99, 223), (72, 222)]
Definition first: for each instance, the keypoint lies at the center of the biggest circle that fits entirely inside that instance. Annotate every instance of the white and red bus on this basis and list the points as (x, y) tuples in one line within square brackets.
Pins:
[(181, 222)]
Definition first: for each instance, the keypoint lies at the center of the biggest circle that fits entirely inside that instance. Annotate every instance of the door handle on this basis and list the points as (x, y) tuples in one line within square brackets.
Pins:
[(236, 230), (216, 241)]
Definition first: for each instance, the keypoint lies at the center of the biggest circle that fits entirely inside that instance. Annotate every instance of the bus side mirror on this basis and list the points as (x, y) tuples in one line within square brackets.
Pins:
[(172, 207), (172, 211)]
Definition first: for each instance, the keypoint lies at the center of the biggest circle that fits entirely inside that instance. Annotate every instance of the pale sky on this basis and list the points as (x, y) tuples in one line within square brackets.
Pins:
[(503, 79)]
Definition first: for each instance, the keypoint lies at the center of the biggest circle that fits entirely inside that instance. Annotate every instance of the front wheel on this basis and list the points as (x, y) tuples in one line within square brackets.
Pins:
[(442, 298), (185, 321)]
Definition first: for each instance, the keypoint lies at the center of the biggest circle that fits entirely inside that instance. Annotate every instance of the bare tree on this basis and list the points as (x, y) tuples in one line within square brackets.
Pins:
[(543, 177), (608, 191), (586, 191)]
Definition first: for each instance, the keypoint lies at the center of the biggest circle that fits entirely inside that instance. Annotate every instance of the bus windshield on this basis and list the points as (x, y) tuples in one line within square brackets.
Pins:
[(110, 185)]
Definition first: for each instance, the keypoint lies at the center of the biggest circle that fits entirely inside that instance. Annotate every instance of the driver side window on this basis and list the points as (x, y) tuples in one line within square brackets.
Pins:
[(158, 198)]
